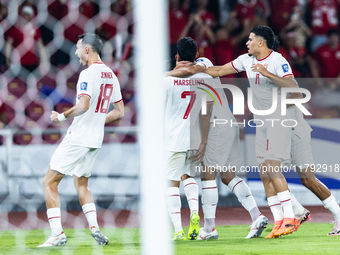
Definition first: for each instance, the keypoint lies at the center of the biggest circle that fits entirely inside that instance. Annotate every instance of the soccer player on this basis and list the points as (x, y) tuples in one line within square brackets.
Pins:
[(273, 141), (223, 150), (301, 153), (97, 86), (184, 143)]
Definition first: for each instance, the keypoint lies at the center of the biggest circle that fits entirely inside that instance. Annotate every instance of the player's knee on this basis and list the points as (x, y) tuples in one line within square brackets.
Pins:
[(308, 182), (226, 181), (184, 177)]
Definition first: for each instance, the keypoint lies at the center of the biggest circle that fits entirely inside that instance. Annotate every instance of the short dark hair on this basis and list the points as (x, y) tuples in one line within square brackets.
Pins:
[(186, 49), (268, 35), (93, 40), (332, 31)]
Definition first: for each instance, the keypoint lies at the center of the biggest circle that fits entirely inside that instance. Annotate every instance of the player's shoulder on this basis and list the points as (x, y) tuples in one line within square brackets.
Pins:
[(277, 56), (245, 57)]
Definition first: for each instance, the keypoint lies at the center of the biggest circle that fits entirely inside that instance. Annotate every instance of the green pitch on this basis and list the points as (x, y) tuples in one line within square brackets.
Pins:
[(309, 239)]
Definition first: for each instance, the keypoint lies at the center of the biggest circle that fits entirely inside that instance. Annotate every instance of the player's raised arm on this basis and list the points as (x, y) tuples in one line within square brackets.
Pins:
[(218, 71), (81, 107), (116, 113), (288, 81)]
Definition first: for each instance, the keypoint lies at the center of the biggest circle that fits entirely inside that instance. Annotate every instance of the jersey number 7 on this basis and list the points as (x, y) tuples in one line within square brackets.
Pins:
[(104, 98), (191, 102)]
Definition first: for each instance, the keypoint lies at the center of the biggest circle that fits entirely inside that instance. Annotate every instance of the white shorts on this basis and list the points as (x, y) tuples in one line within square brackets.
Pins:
[(223, 147), (302, 151), (273, 143), (179, 163), (73, 160)]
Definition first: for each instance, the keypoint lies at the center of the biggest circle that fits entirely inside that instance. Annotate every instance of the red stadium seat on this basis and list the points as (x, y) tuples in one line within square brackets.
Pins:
[(51, 138), (62, 106), (46, 85), (34, 111), (17, 87), (22, 137), (7, 113)]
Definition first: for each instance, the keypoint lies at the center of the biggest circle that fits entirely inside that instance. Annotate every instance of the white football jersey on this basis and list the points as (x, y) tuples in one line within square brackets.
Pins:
[(262, 87), (102, 86), (182, 110), (220, 109)]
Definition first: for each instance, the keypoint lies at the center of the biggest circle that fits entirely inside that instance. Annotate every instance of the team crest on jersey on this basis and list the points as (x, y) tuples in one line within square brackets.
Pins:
[(83, 86), (285, 68)]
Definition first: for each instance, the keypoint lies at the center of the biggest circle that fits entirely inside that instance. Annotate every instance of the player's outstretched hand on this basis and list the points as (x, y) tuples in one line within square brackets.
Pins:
[(200, 153), (54, 116), (260, 69)]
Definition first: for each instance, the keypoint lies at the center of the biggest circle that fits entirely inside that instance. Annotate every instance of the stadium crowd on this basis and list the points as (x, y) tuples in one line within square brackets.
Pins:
[(39, 69), (308, 32)]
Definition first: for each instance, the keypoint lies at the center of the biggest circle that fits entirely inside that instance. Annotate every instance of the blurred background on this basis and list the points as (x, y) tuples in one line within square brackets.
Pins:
[(39, 72)]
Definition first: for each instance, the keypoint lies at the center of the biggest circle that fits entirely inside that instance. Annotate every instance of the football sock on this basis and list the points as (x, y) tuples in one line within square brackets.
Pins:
[(331, 204), (298, 209), (244, 196), (209, 203), (285, 201), (54, 219), (90, 212), (191, 192), (275, 207), (174, 208)]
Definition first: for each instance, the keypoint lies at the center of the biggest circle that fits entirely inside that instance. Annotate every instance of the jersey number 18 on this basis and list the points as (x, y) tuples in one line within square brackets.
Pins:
[(104, 98)]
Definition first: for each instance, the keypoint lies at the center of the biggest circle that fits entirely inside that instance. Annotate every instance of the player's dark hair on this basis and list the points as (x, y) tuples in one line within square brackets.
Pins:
[(332, 31), (93, 40), (186, 49), (268, 35)]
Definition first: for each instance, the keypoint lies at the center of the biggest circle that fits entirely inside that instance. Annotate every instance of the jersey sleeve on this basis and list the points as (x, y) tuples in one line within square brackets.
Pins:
[(117, 94), (84, 85), (238, 64), (282, 67)]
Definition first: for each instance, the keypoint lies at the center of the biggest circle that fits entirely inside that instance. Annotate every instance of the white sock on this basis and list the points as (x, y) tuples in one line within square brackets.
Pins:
[(286, 202), (331, 204), (209, 203), (244, 195), (174, 208), (54, 218), (90, 212), (276, 208), (191, 192), (298, 209)]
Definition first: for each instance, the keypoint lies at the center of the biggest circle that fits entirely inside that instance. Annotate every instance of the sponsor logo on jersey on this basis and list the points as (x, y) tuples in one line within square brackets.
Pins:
[(83, 86), (285, 68)]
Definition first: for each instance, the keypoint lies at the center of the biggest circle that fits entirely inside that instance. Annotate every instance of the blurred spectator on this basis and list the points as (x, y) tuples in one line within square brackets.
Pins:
[(245, 15), (249, 13), (301, 30), (3, 12), (326, 60), (282, 12), (225, 46), (323, 16), (89, 8), (58, 9), (199, 28), (21, 43), (295, 54), (178, 18), (28, 3)]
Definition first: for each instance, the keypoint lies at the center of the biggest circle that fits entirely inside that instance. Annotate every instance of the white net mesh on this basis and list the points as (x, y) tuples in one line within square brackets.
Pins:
[(39, 72)]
